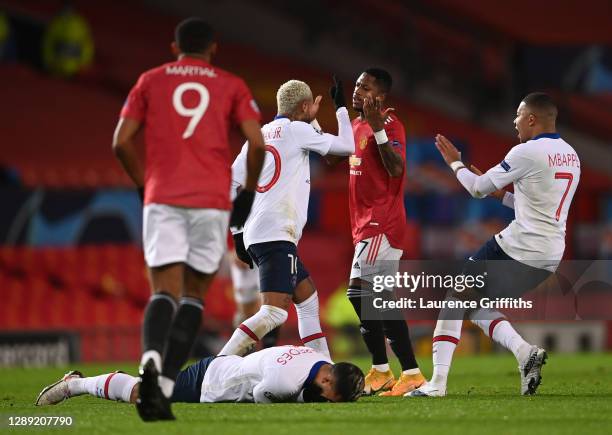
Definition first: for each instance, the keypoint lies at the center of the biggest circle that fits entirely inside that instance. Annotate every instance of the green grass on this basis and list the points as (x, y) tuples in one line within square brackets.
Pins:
[(575, 397)]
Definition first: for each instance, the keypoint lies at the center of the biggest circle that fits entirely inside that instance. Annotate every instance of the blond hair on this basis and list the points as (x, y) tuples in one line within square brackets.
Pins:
[(290, 94)]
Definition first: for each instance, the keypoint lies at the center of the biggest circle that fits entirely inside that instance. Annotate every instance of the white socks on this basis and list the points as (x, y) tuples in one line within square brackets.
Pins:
[(381, 367), (445, 339), (155, 356), (253, 329), (495, 326), (507, 336), (309, 325), (269, 317), (112, 386), (166, 385)]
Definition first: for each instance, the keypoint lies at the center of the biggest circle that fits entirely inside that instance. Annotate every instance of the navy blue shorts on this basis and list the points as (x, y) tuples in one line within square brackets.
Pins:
[(188, 386), (505, 277), (280, 269)]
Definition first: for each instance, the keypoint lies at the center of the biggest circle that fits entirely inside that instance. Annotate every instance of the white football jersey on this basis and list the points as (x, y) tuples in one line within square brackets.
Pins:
[(276, 374), (280, 207), (545, 172)]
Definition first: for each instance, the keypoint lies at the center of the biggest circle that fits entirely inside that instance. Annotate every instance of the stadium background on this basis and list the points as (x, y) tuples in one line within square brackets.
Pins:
[(72, 276)]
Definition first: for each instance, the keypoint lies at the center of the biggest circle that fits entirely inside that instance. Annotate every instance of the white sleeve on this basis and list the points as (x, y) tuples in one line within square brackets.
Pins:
[(508, 200), (316, 125), (272, 392), (344, 143), (311, 139), (239, 171), (479, 186), (515, 165), (261, 394)]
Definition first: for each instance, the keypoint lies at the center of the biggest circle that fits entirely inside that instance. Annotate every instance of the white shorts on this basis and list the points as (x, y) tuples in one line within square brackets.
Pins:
[(195, 236), (245, 283), (375, 256)]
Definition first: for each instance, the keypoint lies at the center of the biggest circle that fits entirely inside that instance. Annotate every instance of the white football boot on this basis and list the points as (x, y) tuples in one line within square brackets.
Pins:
[(531, 370), (428, 390), (57, 392)]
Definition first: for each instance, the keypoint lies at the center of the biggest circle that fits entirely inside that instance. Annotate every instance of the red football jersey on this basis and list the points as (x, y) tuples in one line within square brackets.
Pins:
[(187, 108), (376, 200)]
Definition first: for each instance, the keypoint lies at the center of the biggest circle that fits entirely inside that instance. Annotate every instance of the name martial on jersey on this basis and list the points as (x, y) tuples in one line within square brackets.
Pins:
[(190, 70), (188, 107)]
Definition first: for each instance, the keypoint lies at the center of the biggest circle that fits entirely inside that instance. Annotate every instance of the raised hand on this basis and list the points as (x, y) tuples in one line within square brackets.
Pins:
[(374, 113), (447, 149), (337, 93)]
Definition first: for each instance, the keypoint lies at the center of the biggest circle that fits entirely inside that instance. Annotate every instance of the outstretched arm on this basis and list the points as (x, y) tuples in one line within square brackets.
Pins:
[(478, 186), (507, 198), (343, 144)]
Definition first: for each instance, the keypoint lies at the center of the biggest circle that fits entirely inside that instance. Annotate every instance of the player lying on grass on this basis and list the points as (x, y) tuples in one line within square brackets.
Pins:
[(276, 374), (545, 171)]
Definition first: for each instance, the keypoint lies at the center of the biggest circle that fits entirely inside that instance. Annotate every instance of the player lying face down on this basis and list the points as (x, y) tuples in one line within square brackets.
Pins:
[(276, 374)]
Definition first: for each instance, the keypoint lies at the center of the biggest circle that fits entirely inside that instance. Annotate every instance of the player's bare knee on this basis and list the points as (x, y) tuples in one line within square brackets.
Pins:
[(304, 290), (196, 283), (275, 299)]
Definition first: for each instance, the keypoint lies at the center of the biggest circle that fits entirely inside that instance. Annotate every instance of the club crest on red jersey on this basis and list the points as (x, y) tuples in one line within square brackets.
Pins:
[(363, 143)]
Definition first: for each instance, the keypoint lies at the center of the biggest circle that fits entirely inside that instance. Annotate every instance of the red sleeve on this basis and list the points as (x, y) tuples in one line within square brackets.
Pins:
[(244, 106), (230, 242), (397, 136), (135, 105)]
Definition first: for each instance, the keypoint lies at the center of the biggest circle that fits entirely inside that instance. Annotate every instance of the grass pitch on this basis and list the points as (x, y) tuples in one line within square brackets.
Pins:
[(575, 397)]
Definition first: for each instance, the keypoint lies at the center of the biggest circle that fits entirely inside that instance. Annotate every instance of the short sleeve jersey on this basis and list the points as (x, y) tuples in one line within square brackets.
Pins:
[(376, 200), (187, 108)]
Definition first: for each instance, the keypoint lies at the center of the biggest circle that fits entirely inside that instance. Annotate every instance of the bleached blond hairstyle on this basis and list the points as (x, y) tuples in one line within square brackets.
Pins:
[(290, 94)]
